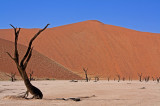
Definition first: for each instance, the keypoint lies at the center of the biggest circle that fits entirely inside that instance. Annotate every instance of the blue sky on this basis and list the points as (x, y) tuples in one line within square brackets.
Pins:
[(141, 15)]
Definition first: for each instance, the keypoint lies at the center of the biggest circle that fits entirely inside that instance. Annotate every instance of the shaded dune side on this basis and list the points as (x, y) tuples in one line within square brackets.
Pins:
[(106, 50), (42, 66)]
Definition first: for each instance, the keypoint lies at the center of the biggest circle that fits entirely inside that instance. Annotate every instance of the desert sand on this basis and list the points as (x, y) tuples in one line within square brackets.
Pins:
[(102, 93), (41, 66), (106, 50)]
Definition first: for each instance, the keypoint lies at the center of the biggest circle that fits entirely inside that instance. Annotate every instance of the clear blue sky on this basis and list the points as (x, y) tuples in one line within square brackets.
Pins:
[(141, 15)]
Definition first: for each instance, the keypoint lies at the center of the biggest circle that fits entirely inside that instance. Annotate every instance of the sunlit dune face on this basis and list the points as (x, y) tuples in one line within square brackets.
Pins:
[(105, 50)]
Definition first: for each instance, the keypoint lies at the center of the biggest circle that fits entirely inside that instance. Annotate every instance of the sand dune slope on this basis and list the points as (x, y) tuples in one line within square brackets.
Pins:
[(105, 49), (42, 66)]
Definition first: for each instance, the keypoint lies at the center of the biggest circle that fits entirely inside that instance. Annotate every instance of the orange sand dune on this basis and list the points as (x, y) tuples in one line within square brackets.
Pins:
[(42, 66), (105, 49)]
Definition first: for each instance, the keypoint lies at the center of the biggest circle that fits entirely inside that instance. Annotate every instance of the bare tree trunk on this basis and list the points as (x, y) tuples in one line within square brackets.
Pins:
[(30, 75), (12, 76), (147, 78), (140, 77), (130, 78), (108, 78), (158, 79), (123, 78), (85, 71), (119, 77), (96, 78), (21, 66)]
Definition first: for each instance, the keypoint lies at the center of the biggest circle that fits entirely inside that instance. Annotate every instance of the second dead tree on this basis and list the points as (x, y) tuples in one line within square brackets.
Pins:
[(12, 76), (123, 78), (140, 77), (96, 78), (146, 78), (108, 78), (130, 79), (30, 76), (158, 79), (85, 71), (119, 77)]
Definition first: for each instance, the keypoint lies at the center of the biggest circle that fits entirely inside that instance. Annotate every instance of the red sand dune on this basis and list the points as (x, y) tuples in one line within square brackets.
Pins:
[(42, 66), (106, 50)]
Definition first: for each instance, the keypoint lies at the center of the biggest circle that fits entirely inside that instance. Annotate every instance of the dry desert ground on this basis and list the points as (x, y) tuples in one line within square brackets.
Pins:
[(101, 93)]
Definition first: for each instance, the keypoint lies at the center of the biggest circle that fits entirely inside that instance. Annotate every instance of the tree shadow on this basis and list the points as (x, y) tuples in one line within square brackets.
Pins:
[(76, 99)]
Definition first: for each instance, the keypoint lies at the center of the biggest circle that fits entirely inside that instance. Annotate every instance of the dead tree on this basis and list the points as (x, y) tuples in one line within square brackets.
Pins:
[(140, 77), (123, 78), (130, 78), (108, 78), (22, 64), (96, 78), (30, 75), (12, 76), (146, 78), (85, 71), (158, 79), (119, 77)]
